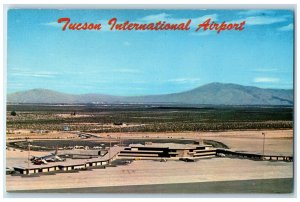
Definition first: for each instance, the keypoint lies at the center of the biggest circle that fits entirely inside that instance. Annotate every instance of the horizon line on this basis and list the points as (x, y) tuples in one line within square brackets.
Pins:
[(58, 91)]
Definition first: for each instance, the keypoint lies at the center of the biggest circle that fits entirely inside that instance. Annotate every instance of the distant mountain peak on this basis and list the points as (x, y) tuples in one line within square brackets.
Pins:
[(215, 93)]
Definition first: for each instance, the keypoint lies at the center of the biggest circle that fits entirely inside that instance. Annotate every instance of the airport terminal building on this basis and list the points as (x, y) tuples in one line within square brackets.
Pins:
[(167, 150)]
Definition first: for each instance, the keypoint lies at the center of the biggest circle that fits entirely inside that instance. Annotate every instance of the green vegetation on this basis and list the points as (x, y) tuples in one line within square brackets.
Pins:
[(13, 113), (143, 118)]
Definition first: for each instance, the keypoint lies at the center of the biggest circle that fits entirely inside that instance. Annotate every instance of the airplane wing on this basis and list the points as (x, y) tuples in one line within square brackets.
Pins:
[(58, 158)]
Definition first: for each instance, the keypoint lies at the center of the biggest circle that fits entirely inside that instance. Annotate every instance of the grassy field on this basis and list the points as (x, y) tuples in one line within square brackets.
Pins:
[(146, 118)]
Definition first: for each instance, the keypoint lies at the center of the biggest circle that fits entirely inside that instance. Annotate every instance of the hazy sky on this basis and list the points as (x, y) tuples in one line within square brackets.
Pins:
[(41, 55)]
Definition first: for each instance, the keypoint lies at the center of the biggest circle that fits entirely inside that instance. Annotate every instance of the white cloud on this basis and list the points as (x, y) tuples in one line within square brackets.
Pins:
[(53, 24), (42, 75), (260, 20), (155, 18), (266, 80), (30, 73), (184, 80), (288, 27), (168, 18), (203, 33), (263, 20), (126, 71)]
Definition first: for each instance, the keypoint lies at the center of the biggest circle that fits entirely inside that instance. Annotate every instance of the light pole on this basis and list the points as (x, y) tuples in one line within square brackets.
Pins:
[(109, 149), (28, 157), (263, 145)]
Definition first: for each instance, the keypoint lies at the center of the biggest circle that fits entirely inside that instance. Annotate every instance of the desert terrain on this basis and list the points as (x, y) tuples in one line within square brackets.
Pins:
[(255, 130)]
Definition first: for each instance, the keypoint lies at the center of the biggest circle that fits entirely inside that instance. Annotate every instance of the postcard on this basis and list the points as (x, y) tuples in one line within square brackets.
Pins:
[(150, 101)]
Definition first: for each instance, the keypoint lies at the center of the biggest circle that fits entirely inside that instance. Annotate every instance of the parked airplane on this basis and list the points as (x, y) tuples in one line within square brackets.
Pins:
[(38, 160)]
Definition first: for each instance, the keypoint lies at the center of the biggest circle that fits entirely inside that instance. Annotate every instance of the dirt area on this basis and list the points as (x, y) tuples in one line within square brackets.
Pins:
[(240, 133), (74, 116), (279, 142), (38, 134)]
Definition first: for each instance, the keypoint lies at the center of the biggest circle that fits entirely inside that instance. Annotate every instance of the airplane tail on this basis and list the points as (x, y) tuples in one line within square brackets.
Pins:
[(32, 158)]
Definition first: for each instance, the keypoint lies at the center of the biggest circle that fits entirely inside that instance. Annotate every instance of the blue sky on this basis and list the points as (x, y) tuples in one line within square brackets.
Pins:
[(41, 55)]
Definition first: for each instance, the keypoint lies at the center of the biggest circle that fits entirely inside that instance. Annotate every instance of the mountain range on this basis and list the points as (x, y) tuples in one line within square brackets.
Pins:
[(210, 94)]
